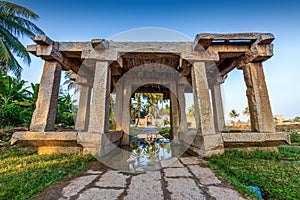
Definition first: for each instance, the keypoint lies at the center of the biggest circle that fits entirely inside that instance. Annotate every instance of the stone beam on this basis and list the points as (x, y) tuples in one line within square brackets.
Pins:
[(48, 50), (42, 40), (263, 37), (43, 118)]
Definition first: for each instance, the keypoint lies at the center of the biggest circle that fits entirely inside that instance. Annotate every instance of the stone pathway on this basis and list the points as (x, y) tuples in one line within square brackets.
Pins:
[(181, 179)]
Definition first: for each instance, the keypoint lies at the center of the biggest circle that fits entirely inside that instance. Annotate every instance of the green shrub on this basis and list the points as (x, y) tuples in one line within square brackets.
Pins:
[(165, 132), (11, 115), (295, 137)]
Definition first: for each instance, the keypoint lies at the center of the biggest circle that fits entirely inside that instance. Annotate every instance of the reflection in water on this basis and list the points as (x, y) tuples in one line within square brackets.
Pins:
[(147, 156)]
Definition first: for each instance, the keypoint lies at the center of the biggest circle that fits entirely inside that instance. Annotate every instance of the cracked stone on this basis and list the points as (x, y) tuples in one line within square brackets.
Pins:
[(173, 162), (77, 184), (221, 193), (190, 160), (189, 191), (177, 172), (112, 179), (100, 194), (205, 175), (145, 186)]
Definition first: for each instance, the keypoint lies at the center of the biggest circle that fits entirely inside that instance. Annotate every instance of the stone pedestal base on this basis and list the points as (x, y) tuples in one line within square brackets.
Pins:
[(96, 144), (203, 146), (253, 140), (208, 145)]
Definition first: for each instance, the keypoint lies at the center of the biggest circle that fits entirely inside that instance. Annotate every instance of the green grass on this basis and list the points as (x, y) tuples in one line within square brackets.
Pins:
[(24, 173), (277, 177)]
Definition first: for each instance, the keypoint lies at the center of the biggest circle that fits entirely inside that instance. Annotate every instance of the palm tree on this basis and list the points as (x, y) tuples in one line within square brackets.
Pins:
[(246, 112), (138, 96), (153, 99), (191, 111), (234, 114), (70, 82), (15, 21)]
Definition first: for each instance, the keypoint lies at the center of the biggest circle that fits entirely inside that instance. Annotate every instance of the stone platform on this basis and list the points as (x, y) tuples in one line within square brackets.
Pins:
[(69, 142)]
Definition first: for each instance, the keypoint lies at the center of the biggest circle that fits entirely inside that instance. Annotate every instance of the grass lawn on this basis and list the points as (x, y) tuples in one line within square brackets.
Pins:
[(277, 174), (24, 173)]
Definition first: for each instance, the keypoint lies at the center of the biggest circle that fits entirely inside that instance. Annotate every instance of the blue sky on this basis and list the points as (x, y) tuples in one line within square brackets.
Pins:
[(67, 20)]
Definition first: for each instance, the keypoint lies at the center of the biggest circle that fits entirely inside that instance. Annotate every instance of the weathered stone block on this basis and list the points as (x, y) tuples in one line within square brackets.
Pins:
[(58, 150), (44, 138)]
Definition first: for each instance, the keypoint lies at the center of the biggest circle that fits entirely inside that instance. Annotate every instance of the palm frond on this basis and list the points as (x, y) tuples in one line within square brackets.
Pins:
[(16, 9)]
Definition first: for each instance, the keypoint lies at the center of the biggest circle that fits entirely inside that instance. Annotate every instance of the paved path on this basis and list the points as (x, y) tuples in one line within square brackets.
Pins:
[(182, 178)]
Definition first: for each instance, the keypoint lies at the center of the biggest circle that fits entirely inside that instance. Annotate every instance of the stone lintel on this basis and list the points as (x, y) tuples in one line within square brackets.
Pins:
[(50, 53), (107, 55), (193, 56), (262, 37)]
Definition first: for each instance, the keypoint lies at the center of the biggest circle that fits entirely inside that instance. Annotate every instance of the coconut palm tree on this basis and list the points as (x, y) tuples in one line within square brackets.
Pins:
[(246, 112), (70, 82), (191, 110), (138, 96), (15, 21), (234, 114)]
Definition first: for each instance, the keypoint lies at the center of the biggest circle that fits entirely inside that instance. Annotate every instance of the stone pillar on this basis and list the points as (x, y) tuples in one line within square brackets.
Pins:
[(119, 106), (174, 111), (126, 112), (181, 100), (99, 114), (82, 119), (43, 118), (258, 99), (207, 141), (217, 105)]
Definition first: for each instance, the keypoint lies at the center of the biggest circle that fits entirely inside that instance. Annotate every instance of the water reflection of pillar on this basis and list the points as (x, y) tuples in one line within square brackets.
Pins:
[(126, 113), (174, 111)]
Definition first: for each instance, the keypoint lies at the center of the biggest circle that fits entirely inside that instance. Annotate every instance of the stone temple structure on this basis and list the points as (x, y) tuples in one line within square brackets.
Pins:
[(172, 68)]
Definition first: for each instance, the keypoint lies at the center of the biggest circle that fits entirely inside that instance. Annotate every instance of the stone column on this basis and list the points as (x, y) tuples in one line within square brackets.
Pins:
[(126, 112), (43, 118), (119, 106), (181, 100), (99, 114), (207, 140), (82, 119), (258, 99), (174, 111), (217, 105)]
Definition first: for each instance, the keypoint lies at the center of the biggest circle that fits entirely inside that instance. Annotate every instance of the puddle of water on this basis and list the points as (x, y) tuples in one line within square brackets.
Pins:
[(147, 156)]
